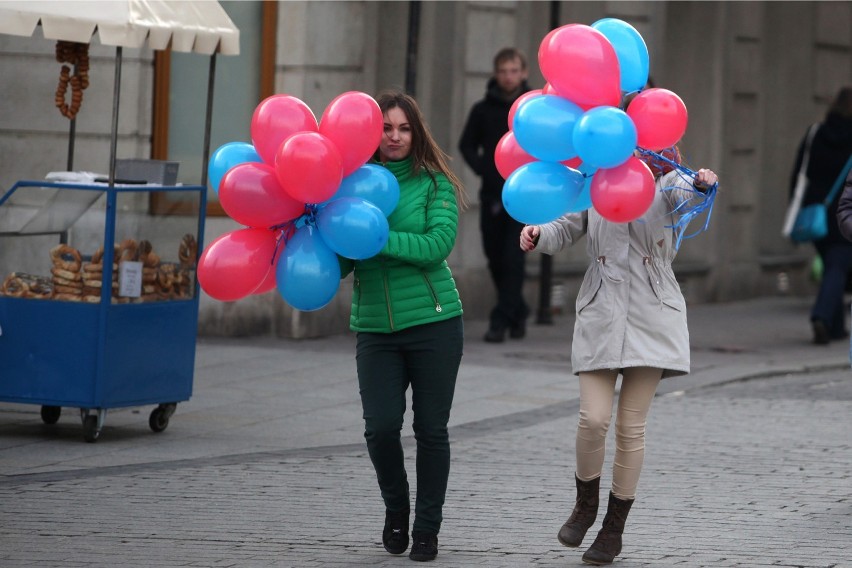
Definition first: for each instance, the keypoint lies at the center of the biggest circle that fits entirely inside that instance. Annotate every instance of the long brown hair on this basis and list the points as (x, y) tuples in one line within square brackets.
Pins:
[(425, 152)]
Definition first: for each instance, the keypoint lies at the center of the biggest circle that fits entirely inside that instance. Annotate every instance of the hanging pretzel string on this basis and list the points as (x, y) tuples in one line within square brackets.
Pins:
[(77, 54)]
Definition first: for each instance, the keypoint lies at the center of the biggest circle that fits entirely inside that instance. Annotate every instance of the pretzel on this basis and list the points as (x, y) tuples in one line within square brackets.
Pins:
[(147, 255), (68, 290), (66, 258), (14, 286), (127, 250), (40, 289), (65, 274), (98, 256), (188, 250)]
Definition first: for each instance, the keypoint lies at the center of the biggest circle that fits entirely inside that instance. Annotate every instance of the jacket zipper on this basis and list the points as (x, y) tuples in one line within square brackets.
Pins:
[(387, 296), (358, 298), (438, 307)]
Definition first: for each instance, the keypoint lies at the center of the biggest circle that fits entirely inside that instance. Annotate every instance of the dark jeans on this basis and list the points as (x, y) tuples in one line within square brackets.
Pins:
[(829, 308), (501, 242), (427, 357)]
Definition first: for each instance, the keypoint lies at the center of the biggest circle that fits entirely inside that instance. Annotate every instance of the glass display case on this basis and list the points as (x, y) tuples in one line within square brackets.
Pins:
[(99, 299)]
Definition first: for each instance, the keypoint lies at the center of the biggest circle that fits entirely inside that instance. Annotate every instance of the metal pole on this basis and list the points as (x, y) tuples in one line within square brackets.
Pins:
[(72, 134), (116, 92), (208, 120), (411, 50), (545, 277)]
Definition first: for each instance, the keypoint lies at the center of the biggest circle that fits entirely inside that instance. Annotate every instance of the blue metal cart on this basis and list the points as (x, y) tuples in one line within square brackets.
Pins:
[(102, 355)]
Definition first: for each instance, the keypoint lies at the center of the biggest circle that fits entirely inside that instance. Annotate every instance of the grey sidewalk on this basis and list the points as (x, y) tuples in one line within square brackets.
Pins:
[(265, 465)]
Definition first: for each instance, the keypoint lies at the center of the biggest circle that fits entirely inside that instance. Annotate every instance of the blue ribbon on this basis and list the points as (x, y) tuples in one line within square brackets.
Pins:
[(687, 209), (309, 217)]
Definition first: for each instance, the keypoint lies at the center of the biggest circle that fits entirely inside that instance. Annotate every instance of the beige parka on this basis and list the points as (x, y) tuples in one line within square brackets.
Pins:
[(630, 311)]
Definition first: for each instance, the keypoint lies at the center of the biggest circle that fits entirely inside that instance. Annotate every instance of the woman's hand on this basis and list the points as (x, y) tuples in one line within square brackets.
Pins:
[(529, 237), (704, 179)]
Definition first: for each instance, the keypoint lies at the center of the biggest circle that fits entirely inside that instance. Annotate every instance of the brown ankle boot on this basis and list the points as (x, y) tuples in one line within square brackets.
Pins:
[(607, 545), (585, 512)]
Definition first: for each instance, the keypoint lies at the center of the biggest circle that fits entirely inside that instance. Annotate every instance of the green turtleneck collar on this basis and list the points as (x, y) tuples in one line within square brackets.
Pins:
[(400, 169)]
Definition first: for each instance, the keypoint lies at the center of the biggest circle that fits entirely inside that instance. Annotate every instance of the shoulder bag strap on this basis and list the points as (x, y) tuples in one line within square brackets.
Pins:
[(801, 184), (838, 183)]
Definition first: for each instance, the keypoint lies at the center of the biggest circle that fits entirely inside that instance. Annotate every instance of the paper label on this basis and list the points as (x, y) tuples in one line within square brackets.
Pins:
[(130, 279)]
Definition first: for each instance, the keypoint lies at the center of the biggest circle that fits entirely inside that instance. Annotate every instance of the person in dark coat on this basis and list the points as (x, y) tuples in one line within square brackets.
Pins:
[(486, 124), (830, 149)]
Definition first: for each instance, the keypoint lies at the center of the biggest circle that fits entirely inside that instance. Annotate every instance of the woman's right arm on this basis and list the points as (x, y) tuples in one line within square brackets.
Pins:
[(556, 235)]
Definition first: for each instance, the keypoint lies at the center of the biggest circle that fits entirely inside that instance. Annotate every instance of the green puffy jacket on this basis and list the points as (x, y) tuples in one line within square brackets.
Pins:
[(409, 282)]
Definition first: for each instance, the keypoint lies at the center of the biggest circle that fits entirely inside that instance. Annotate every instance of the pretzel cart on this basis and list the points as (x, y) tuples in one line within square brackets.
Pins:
[(112, 328), (99, 296)]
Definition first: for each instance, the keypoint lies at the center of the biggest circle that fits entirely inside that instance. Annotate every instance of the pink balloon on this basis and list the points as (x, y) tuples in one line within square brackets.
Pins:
[(660, 118), (353, 121), (623, 193), (275, 119), (519, 101), (236, 263), (549, 90), (580, 63), (573, 163), (269, 282), (509, 156), (251, 195), (309, 167)]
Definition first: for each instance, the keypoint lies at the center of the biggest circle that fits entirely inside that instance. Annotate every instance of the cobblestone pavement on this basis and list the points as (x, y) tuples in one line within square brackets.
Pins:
[(748, 460), (734, 476)]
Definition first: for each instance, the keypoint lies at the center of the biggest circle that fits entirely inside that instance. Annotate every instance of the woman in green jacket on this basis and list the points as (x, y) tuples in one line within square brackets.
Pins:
[(407, 315)]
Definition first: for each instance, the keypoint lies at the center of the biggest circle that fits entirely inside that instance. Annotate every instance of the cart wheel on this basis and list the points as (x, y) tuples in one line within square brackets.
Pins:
[(90, 428), (159, 419), (50, 414)]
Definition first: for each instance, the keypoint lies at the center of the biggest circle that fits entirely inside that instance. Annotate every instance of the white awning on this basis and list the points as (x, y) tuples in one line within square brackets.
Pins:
[(200, 26)]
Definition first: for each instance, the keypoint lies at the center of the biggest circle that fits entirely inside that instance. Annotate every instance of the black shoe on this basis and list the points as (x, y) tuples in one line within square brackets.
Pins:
[(395, 534), (518, 331), (495, 335), (424, 546), (821, 335)]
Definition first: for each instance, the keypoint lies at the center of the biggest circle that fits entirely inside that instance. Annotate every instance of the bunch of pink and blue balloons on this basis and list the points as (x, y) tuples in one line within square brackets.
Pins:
[(570, 146), (305, 194)]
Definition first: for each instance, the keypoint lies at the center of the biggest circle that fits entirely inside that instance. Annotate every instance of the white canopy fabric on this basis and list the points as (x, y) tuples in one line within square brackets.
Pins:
[(200, 26)]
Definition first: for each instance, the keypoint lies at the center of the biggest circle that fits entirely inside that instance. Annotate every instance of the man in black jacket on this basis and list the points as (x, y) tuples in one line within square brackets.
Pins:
[(486, 124)]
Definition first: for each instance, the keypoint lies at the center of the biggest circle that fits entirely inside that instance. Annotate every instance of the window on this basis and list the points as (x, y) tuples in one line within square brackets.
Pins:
[(180, 98)]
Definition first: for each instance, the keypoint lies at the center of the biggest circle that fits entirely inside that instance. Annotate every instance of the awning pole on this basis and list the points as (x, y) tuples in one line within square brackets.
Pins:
[(72, 134), (208, 120), (116, 92)]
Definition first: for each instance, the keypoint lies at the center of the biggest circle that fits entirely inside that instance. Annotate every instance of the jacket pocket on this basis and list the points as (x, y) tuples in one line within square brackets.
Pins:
[(588, 292), (432, 292), (665, 289)]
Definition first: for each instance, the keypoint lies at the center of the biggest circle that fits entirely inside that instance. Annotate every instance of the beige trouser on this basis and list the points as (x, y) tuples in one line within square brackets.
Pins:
[(597, 389)]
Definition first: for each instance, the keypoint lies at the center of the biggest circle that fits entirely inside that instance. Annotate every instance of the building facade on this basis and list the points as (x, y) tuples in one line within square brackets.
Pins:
[(753, 76)]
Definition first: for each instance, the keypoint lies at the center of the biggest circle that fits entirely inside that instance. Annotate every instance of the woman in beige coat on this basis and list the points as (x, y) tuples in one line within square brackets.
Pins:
[(630, 320)]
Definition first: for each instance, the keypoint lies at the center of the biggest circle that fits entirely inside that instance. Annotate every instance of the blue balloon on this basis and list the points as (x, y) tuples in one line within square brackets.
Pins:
[(308, 273), (226, 157), (540, 192), (353, 227), (631, 51), (605, 137), (543, 126), (373, 183), (584, 198)]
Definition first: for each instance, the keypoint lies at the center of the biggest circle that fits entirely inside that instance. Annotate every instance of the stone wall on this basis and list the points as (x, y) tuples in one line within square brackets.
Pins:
[(753, 76)]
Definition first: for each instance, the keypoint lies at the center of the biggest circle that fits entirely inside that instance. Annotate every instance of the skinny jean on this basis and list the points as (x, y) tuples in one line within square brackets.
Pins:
[(427, 358), (597, 390)]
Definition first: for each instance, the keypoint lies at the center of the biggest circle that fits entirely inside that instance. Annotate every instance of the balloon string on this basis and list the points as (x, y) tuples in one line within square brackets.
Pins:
[(686, 209), (288, 228)]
